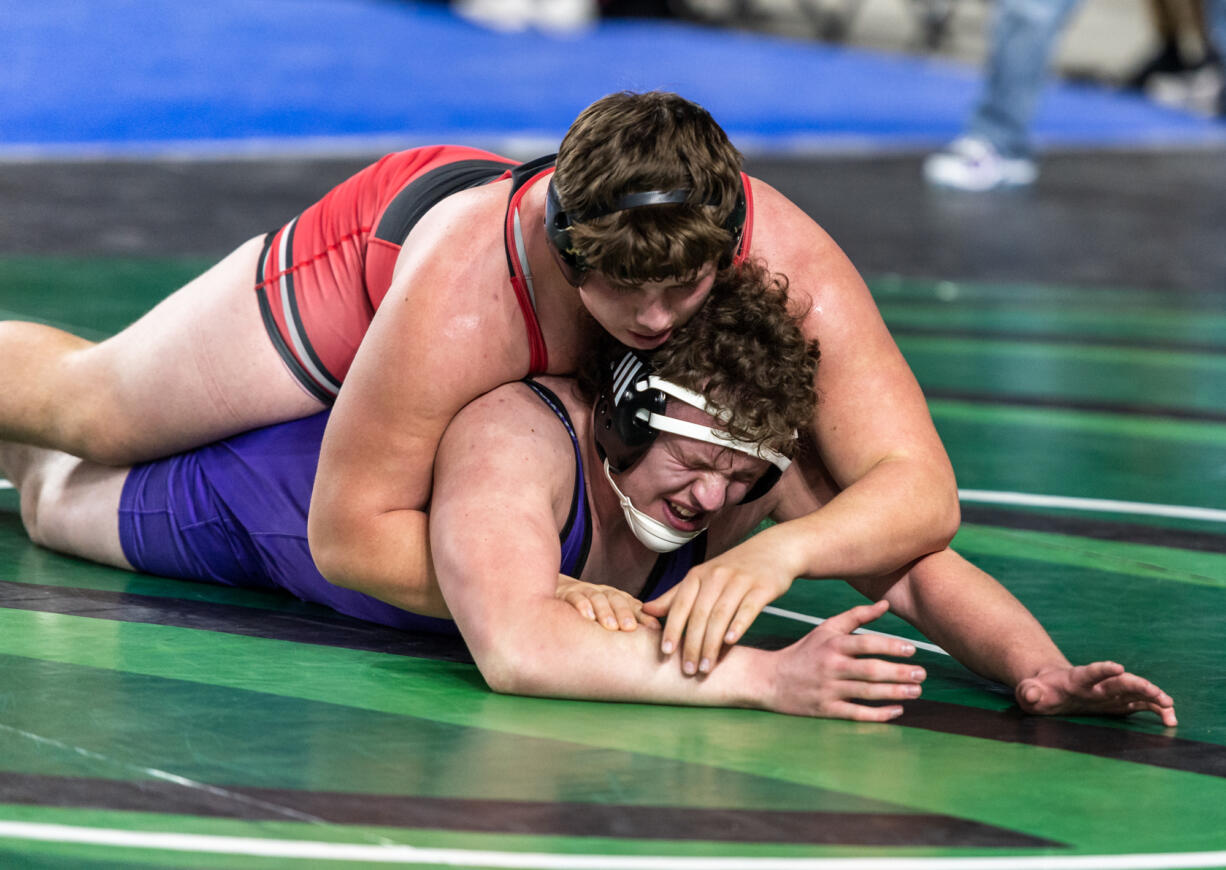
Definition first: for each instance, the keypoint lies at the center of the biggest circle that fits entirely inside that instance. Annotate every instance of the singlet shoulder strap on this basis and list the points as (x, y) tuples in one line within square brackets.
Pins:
[(671, 568), (576, 534), (522, 177)]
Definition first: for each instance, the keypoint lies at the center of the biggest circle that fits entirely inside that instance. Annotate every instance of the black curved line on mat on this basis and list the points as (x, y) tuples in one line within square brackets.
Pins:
[(1154, 750), (1128, 408), (322, 628), (1198, 347), (568, 819), (1117, 744), (1098, 529)]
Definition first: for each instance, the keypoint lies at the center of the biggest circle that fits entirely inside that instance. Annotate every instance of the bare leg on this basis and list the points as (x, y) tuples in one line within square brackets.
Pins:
[(197, 367), (67, 504)]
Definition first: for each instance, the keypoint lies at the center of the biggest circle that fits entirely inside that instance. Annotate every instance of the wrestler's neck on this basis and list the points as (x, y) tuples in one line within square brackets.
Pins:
[(559, 310)]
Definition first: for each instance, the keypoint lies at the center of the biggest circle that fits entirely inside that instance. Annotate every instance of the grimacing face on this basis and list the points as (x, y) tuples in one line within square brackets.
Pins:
[(645, 316), (684, 482)]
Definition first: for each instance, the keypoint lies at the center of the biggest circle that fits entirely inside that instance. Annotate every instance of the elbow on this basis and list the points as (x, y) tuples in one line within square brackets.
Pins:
[(332, 558), (947, 521), (501, 678), (506, 671), (508, 664), (943, 513)]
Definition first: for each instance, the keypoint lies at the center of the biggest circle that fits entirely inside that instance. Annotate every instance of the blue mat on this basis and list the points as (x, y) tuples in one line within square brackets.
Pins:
[(232, 75)]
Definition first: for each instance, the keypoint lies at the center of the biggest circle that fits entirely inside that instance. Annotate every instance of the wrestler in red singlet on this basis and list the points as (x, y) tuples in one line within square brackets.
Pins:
[(322, 276)]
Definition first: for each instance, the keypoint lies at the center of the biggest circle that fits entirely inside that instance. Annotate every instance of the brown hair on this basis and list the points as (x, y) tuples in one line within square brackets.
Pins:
[(744, 350), (630, 143)]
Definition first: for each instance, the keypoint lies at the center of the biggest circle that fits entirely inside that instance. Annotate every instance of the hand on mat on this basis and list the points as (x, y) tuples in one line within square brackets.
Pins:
[(823, 674), (607, 606), (1101, 688), (716, 603)]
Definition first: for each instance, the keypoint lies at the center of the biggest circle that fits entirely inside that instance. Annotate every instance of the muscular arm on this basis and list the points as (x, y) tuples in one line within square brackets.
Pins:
[(984, 627), (897, 496), (890, 495), (970, 615), (445, 333)]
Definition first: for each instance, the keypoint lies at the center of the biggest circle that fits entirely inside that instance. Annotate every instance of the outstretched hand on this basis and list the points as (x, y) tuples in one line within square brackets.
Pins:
[(607, 606), (1098, 689), (823, 674)]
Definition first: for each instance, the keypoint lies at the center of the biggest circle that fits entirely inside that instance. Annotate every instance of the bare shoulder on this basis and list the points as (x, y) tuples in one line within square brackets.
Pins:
[(509, 431), (821, 279), (792, 242), (456, 253), (451, 311)]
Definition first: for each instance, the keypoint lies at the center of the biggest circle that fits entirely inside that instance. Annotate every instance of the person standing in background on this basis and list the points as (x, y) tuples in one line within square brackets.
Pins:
[(995, 149)]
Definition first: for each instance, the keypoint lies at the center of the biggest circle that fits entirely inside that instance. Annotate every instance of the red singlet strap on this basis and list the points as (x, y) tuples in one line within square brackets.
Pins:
[(742, 252), (521, 279)]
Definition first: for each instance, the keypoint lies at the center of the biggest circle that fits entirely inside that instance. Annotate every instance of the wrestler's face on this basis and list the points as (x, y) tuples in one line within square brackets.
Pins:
[(644, 316), (684, 482)]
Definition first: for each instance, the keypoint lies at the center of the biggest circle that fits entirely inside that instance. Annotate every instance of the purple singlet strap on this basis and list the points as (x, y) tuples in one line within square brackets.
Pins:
[(576, 535)]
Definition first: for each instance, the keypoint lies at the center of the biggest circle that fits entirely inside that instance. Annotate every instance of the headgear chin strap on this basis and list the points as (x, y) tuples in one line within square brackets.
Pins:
[(558, 223), (654, 535)]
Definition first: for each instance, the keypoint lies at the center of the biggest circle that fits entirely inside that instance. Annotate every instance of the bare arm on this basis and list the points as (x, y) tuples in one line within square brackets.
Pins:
[(446, 332), (983, 626), (892, 496), (494, 535), (897, 497)]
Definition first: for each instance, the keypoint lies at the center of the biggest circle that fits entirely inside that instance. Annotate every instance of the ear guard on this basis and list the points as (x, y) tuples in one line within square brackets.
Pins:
[(558, 223), (629, 415)]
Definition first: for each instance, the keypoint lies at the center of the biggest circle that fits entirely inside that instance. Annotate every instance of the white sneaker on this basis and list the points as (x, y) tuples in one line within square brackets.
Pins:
[(505, 16), (971, 163), (566, 17)]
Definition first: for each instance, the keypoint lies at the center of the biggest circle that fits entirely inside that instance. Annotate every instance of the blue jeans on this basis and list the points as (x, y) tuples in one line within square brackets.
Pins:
[(1215, 22), (1024, 32)]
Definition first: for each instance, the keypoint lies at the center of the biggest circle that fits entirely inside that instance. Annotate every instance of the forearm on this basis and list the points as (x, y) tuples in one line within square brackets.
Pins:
[(387, 557), (899, 510), (556, 653), (974, 618)]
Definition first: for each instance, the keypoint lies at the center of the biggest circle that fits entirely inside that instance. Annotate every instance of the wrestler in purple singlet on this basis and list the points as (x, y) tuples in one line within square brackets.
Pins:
[(235, 513)]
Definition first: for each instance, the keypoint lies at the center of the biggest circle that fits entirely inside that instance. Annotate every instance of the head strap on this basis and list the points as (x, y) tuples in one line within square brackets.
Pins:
[(558, 223)]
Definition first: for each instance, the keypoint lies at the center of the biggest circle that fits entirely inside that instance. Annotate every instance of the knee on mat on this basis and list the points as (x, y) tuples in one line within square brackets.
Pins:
[(41, 488)]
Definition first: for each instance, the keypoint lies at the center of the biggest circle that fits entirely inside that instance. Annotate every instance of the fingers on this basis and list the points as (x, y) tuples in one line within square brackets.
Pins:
[(1101, 688), (877, 671), (711, 618), (858, 617), (1128, 693), (645, 618), (873, 645), (883, 691), (1096, 672), (581, 603), (1166, 714), (861, 712), (611, 608), (708, 624), (1127, 683), (678, 615), (660, 606), (749, 610)]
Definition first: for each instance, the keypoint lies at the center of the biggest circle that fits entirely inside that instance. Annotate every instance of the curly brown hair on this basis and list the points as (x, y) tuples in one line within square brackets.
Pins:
[(744, 350), (634, 142)]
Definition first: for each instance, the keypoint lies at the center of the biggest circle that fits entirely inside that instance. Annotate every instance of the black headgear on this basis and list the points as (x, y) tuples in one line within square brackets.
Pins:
[(558, 223), (628, 398)]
